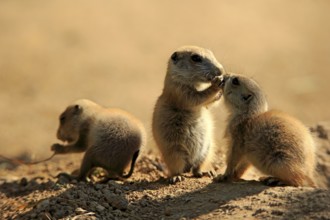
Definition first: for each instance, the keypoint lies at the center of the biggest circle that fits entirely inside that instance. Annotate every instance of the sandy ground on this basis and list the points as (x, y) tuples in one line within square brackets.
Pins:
[(30, 192), (115, 53)]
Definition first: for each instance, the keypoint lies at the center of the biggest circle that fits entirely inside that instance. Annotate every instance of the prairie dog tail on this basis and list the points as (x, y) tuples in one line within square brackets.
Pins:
[(135, 156)]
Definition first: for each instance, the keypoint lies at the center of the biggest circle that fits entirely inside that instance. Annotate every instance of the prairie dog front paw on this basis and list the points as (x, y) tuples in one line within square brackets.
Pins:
[(217, 82), (58, 148)]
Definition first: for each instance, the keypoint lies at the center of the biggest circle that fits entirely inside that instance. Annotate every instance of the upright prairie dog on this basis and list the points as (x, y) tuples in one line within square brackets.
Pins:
[(182, 125), (111, 137), (274, 142)]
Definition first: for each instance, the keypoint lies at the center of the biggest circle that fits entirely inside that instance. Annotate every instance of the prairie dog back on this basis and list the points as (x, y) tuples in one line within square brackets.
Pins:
[(119, 131), (111, 138), (274, 142)]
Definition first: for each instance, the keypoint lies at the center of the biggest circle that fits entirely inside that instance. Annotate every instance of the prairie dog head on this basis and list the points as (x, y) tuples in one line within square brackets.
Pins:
[(73, 117), (193, 65), (243, 95)]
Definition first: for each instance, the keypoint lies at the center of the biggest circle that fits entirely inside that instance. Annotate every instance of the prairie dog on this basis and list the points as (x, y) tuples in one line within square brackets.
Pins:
[(274, 142), (111, 137), (182, 125)]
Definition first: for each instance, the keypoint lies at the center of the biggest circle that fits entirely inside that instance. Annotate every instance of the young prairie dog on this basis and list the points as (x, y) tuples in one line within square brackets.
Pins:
[(182, 125), (274, 142), (111, 137)]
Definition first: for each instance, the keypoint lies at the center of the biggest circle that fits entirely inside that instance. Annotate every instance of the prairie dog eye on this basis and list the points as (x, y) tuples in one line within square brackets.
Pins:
[(196, 58), (235, 81)]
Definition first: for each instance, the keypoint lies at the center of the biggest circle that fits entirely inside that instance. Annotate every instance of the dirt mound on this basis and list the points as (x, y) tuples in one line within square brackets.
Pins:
[(30, 192)]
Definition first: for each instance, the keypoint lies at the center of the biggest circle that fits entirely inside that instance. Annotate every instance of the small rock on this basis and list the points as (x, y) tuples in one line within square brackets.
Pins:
[(62, 179), (59, 213), (167, 211), (67, 209), (73, 203), (45, 216), (118, 202), (144, 203), (276, 212), (118, 191), (258, 211), (23, 182), (106, 205), (186, 200), (82, 195), (100, 208), (114, 184), (79, 211), (93, 205), (43, 204), (67, 195), (98, 186), (118, 213), (248, 208)]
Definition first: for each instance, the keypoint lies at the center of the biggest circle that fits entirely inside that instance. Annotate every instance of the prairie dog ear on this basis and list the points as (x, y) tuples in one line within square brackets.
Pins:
[(174, 57), (77, 109), (247, 97), (62, 118)]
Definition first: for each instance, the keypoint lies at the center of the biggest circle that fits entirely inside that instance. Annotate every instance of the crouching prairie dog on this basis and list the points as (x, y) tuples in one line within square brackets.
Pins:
[(274, 142), (111, 137), (182, 125)]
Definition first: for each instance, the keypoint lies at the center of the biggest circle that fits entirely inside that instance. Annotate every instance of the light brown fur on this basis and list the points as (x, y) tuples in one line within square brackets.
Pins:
[(182, 124), (111, 137), (274, 142)]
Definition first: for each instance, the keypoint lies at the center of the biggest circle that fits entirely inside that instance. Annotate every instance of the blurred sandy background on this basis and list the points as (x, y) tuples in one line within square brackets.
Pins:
[(115, 53)]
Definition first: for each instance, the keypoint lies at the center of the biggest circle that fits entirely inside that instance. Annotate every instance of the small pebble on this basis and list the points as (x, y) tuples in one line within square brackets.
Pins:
[(118, 202), (100, 208), (79, 211), (23, 182), (167, 211), (43, 204), (45, 216)]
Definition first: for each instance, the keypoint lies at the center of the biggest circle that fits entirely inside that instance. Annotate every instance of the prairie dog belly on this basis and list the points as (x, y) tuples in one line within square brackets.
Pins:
[(181, 124), (185, 131)]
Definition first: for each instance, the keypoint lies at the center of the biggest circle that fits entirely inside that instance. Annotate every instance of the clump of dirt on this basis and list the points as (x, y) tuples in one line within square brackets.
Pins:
[(321, 131), (31, 192)]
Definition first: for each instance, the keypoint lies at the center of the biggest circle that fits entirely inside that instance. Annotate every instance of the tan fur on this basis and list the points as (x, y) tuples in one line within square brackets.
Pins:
[(274, 142), (182, 124), (110, 137)]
